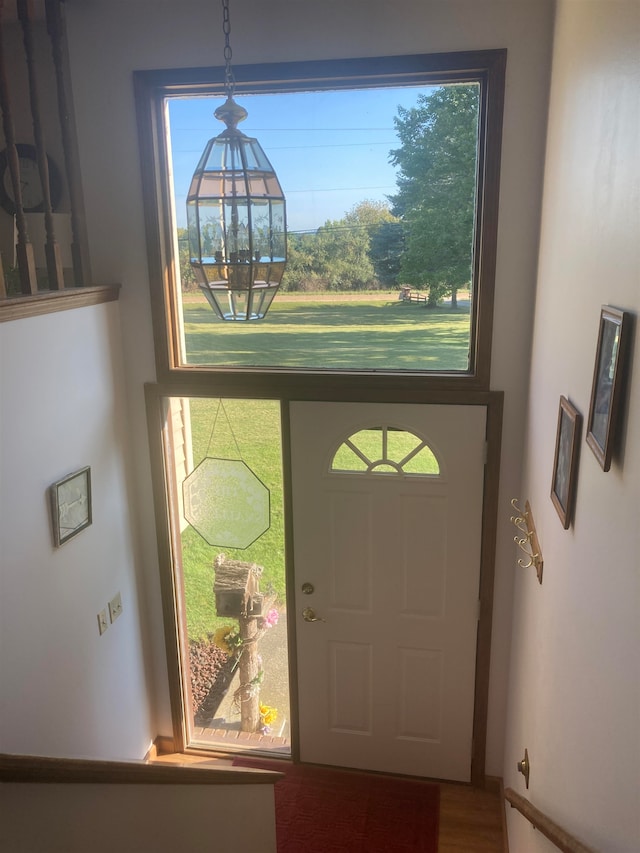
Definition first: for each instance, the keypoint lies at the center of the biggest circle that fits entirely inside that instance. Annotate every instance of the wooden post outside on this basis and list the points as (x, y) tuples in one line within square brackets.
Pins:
[(238, 596), (249, 670)]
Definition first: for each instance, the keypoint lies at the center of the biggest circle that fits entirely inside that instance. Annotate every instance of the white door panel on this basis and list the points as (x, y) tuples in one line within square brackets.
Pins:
[(386, 682)]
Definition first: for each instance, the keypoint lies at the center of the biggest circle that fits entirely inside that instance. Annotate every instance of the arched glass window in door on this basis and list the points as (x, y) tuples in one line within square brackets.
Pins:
[(385, 450)]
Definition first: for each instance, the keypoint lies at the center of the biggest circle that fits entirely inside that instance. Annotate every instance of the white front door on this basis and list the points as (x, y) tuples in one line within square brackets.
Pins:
[(387, 560)]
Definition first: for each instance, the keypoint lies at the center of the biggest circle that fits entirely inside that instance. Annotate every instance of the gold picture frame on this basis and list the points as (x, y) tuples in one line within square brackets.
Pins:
[(71, 509)]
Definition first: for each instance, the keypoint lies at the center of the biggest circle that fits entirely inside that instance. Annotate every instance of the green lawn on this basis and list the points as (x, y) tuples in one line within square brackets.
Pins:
[(250, 430), (366, 334)]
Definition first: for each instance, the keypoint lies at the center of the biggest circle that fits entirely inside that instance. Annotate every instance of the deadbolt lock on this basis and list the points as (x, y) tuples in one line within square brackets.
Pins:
[(308, 588)]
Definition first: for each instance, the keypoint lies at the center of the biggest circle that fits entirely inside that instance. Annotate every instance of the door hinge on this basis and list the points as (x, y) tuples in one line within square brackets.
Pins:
[(485, 452)]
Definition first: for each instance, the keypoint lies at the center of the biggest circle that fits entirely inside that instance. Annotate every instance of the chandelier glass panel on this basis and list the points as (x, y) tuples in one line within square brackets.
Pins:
[(236, 218)]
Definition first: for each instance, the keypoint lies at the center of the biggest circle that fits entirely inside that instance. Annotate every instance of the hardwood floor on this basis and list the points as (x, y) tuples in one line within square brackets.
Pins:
[(471, 819)]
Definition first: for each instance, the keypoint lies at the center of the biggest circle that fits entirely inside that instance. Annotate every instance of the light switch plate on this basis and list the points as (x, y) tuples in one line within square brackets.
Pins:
[(102, 622), (115, 607)]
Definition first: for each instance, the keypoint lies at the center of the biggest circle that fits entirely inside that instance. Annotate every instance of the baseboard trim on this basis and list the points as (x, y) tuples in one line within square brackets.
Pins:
[(162, 745), (493, 784)]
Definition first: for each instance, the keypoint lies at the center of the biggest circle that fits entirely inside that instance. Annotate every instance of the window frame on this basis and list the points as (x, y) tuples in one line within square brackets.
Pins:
[(152, 87)]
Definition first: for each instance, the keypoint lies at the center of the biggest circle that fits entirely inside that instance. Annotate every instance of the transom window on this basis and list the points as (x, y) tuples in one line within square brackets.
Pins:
[(385, 450), (390, 170)]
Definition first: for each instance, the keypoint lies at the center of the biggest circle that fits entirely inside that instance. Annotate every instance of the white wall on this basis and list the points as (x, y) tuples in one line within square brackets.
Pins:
[(137, 818), (109, 40), (66, 691), (574, 690)]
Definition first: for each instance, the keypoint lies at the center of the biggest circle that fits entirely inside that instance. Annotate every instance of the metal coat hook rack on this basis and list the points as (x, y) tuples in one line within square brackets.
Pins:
[(528, 542)]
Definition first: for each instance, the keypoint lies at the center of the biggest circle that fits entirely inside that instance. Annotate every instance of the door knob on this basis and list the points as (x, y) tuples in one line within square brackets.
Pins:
[(309, 615)]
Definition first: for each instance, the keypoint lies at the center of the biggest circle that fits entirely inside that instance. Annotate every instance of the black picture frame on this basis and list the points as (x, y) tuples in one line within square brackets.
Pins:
[(608, 382), (565, 463), (71, 509)]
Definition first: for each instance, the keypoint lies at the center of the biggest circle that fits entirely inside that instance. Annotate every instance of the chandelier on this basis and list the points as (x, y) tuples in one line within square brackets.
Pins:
[(236, 215)]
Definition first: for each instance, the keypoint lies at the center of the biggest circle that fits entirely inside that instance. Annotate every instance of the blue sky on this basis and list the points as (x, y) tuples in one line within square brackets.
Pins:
[(330, 150)]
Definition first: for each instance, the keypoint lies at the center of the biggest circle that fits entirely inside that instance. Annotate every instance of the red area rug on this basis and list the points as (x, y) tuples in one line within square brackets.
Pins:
[(340, 811)]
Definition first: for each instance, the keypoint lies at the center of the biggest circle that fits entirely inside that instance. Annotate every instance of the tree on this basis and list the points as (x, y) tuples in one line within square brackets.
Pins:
[(436, 188), (337, 256), (301, 273), (369, 214), (385, 250), (343, 255), (187, 277), (344, 246)]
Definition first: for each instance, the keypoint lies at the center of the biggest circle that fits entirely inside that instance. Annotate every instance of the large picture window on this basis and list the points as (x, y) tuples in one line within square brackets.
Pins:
[(390, 172)]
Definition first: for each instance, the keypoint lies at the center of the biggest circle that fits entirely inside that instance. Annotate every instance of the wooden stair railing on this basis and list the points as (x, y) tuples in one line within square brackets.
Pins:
[(43, 770), (56, 28), (562, 839), (24, 249), (38, 68), (52, 250)]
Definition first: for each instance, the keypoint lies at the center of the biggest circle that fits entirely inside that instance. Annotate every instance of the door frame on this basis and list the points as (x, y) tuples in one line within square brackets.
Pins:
[(156, 395)]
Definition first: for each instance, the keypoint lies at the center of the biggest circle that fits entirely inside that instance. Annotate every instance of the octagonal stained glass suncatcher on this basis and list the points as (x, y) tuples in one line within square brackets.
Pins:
[(226, 503)]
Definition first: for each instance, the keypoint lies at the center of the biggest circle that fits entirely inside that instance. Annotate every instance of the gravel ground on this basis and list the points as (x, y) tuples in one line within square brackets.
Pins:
[(211, 673)]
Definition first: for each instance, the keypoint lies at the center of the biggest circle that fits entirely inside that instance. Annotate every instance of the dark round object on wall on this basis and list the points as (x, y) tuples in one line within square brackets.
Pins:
[(32, 196)]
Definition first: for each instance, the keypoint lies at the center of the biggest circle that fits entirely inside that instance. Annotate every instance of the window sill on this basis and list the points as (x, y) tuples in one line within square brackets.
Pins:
[(49, 301)]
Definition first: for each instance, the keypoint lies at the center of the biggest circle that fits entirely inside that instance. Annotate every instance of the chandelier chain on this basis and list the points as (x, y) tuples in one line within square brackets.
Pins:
[(229, 79)]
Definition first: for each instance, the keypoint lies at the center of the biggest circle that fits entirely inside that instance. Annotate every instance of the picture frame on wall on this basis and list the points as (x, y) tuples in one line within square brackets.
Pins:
[(71, 509), (608, 381), (565, 463)]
